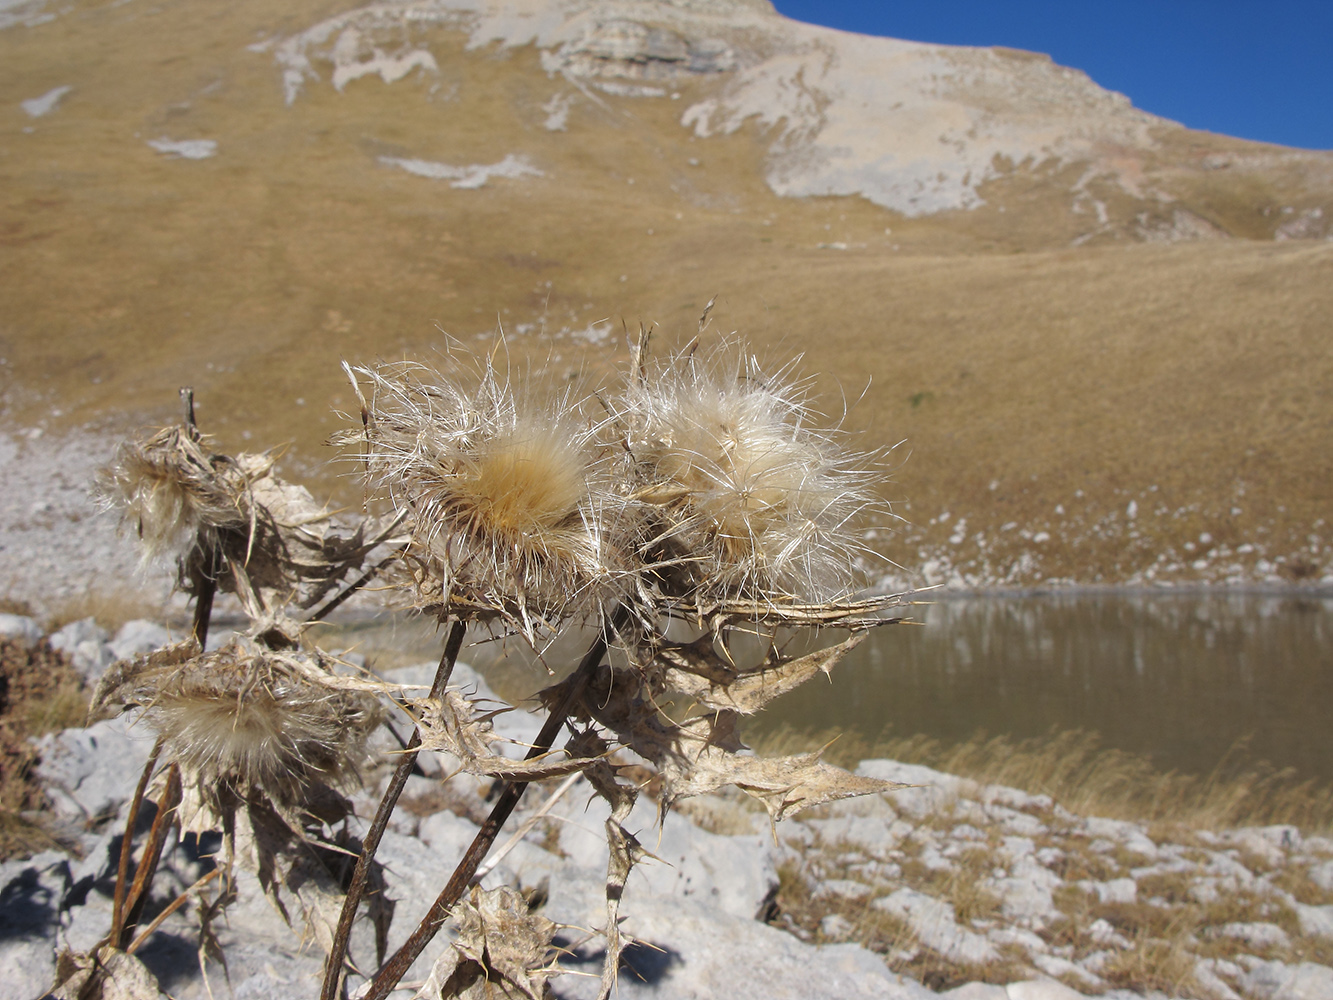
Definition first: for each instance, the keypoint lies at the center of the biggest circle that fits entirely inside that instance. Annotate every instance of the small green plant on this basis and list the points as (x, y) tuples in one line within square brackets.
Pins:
[(686, 513)]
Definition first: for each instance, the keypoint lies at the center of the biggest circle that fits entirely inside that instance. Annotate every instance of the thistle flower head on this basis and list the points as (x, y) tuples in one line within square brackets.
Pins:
[(243, 719), (170, 487), (504, 493), (752, 501)]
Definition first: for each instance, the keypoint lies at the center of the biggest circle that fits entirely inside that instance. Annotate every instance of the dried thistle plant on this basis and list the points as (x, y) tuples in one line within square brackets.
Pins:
[(704, 494), (506, 494), (234, 524)]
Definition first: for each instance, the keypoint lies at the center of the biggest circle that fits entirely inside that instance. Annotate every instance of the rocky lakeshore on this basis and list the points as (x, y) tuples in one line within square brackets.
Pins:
[(948, 887)]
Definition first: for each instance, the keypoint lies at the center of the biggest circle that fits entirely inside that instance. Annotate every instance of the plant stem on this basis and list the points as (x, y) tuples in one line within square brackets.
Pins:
[(402, 960), (152, 853), (333, 967), (127, 844), (337, 600), (175, 905), (206, 585)]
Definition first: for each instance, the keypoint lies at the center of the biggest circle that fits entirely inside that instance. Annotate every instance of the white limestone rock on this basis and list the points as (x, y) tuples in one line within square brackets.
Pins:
[(20, 628), (1315, 921), (90, 772), (937, 790), (934, 924), (1279, 981), (1041, 989), (1118, 890), (1322, 875), (31, 893), (1258, 935), (137, 637)]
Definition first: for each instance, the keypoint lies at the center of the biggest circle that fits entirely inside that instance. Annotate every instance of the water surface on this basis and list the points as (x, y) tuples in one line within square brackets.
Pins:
[(1179, 677)]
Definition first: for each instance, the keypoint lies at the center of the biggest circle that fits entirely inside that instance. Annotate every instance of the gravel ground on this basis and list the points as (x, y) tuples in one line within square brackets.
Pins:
[(55, 546)]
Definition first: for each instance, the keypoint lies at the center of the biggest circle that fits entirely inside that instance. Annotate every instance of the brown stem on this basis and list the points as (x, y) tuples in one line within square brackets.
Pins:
[(333, 966), (127, 844), (152, 854), (337, 601), (206, 585), (402, 960), (175, 905)]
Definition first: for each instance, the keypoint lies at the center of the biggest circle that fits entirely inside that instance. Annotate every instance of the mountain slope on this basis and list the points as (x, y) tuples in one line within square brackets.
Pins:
[(1042, 280)]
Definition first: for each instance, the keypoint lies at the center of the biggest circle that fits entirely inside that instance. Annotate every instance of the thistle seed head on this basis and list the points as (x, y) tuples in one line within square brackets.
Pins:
[(752, 501), (506, 495), (243, 719), (169, 487)]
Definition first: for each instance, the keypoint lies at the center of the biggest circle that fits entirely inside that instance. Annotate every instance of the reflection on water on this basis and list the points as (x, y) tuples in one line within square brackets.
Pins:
[(1179, 677)]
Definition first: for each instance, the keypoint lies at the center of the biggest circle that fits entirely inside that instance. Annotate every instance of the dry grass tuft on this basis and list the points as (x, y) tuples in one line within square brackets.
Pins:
[(1078, 772), (39, 693), (1152, 964), (110, 609)]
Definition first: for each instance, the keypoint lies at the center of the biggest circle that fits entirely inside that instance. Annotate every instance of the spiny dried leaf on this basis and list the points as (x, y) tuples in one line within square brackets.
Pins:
[(207, 912), (702, 754), (623, 852), (699, 672), (292, 868), (451, 726), (601, 774), (502, 951), (108, 974), (786, 785), (721, 616)]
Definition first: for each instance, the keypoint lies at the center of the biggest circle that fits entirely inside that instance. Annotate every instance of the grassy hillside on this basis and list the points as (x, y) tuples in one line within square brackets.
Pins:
[(1039, 388)]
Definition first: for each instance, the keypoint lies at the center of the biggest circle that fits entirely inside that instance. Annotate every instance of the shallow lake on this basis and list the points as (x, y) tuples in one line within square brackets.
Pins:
[(1181, 677)]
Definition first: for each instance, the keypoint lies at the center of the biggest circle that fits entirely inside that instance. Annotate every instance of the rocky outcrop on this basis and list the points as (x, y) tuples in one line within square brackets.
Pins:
[(982, 891)]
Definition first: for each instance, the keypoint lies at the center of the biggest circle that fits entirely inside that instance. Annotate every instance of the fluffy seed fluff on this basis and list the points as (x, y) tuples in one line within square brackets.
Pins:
[(170, 487), (505, 494), (751, 501), (241, 719)]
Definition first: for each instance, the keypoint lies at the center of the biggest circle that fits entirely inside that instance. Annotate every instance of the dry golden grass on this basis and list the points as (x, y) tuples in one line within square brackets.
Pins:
[(1158, 964), (39, 693), (1075, 770), (110, 608), (1191, 378)]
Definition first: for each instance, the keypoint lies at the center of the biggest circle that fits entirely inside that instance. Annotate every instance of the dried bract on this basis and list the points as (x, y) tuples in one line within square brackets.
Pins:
[(502, 952)]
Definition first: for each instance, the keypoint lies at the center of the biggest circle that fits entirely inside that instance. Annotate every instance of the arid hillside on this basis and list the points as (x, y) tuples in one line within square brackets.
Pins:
[(1103, 339)]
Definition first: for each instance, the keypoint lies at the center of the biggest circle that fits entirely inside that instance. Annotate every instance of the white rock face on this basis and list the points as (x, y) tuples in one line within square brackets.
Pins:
[(914, 127), (90, 772), (1279, 981), (39, 107)]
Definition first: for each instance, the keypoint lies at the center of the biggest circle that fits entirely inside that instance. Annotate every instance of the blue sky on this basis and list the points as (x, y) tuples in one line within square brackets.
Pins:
[(1255, 70)]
